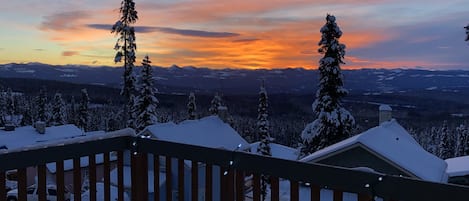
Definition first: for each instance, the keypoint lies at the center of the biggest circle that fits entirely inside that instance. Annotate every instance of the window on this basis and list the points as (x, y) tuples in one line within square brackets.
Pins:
[(52, 192)]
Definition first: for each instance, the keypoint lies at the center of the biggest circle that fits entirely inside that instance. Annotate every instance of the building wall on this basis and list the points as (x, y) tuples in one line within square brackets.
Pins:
[(360, 157)]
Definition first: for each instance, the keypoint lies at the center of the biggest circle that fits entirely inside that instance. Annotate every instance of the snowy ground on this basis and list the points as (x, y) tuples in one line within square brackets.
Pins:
[(100, 194)]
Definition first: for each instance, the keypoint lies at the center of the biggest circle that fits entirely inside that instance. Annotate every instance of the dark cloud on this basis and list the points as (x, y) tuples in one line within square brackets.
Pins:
[(94, 62), (169, 30), (247, 40), (62, 21), (69, 53)]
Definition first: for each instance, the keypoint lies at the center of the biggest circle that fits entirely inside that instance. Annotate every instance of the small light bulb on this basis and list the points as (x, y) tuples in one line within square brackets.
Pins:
[(135, 153), (225, 173), (380, 178), (231, 162), (367, 185)]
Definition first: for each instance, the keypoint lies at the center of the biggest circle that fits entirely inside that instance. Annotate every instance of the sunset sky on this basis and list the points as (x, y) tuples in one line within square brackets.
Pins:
[(252, 34)]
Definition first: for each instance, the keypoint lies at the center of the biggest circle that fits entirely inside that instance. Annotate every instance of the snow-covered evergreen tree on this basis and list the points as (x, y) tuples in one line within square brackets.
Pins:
[(333, 122), (84, 116), (10, 102), (191, 107), (215, 104), (58, 110), (263, 132), (462, 143), (146, 101), (126, 47), (444, 149), (41, 104), (3, 106)]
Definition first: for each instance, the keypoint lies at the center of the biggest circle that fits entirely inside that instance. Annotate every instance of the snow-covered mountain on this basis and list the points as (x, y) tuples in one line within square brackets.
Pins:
[(240, 81)]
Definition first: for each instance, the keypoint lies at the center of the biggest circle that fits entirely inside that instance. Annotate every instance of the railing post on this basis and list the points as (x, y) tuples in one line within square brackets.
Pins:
[(107, 176), (3, 193), (120, 175), (92, 176), (59, 179), (41, 182), (139, 176), (22, 184), (76, 179)]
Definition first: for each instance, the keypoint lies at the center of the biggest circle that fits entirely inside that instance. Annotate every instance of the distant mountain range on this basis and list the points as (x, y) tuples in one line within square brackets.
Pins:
[(177, 79)]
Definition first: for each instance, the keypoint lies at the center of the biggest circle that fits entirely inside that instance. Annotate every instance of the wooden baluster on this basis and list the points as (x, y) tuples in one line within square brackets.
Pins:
[(256, 187), (294, 193), (106, 176), (22, 184), (3, 193), (274, 186), (92, 175), (41, 182), (208, 182), (180, 179), (60, 180), (338, 195), (120, 176), (195, 180), (169, 186), (315, 193), (156, 177), (76, 179)]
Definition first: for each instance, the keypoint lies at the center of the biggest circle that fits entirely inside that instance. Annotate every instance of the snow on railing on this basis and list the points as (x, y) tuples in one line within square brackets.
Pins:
[(73, 140)]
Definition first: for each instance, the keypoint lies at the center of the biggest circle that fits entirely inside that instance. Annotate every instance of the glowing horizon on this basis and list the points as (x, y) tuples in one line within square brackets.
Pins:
[(266, 34)]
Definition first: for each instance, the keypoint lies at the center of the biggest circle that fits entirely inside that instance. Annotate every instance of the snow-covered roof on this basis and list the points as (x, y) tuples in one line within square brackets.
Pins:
[(392, 142), (384, 107), (209, 131), (458, 166), (23, 137), (278, 151)]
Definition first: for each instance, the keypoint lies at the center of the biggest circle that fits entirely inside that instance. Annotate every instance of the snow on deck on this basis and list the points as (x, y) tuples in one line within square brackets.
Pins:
[(209, 131), (278, 151), (458, 166), (391, 141)]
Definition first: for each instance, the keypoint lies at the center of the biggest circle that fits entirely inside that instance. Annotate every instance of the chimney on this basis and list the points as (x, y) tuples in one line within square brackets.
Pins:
[(385, 113), (40, 127)]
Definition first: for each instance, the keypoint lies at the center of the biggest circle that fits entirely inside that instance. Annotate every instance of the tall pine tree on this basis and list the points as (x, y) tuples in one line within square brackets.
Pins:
[(462, 143), (191, 107), (126, 47), (83, 113), (41, 104), (215, 104), (333, 122), (146, 101), (58, 110), (445, 150), (263, 132)]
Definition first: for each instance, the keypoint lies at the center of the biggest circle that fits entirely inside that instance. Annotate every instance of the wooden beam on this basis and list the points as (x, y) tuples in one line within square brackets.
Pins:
[(156, 178), (208, 182), (22, 184), (60, 180), (120, 176), (92, 175), (275, 190), (180, 179), (107, 176), (294, 191), (195, 180), (76, 179), (41, 182)]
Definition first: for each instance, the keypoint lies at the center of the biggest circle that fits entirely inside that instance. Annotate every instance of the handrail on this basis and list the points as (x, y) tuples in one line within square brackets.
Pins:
[(324, 176)]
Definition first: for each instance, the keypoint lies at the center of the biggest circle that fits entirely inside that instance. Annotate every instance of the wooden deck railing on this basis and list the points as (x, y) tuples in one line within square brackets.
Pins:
[(234, 166)]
